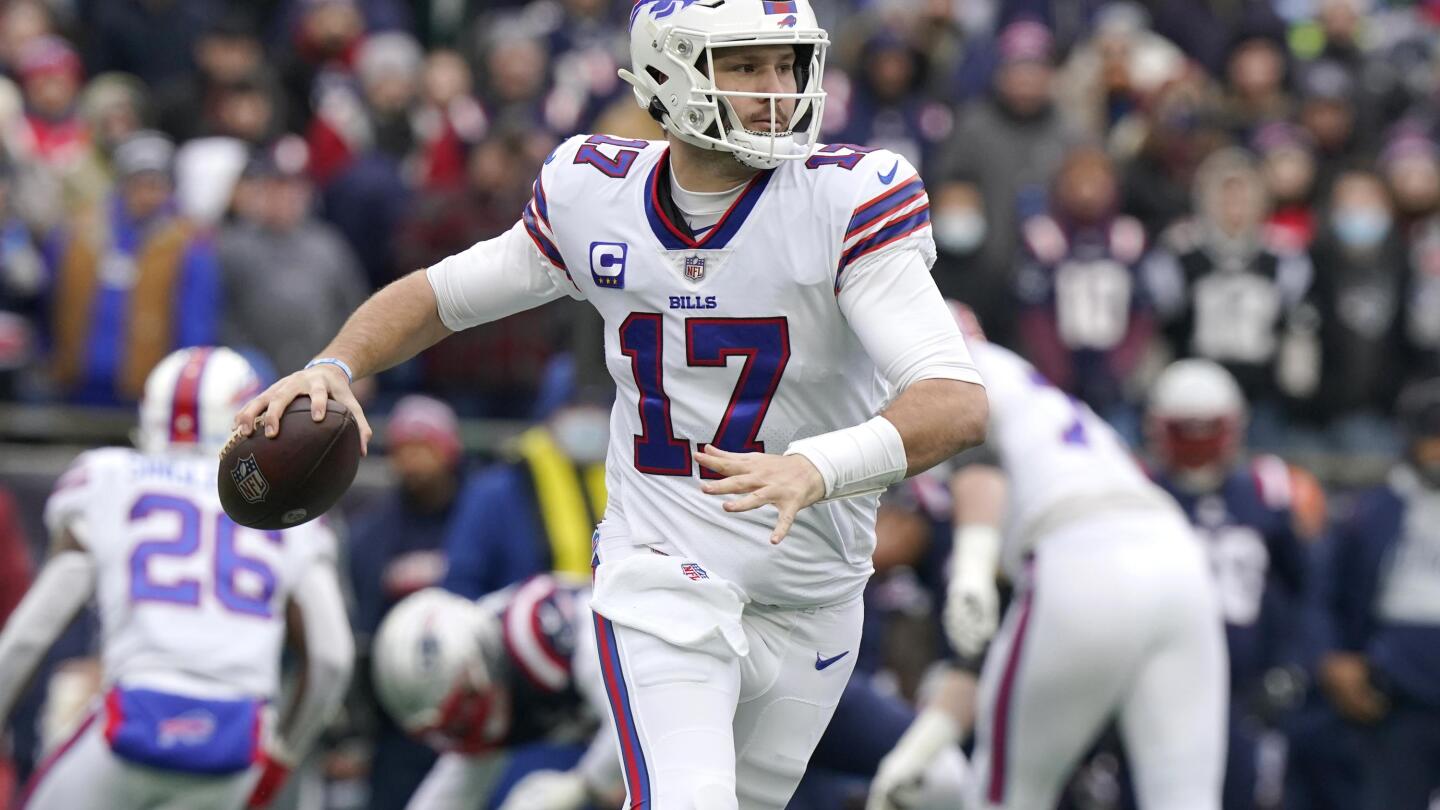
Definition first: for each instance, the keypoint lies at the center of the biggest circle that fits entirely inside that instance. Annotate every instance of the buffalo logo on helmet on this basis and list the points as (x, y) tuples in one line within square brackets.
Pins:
[(249, 481), (694, 268)]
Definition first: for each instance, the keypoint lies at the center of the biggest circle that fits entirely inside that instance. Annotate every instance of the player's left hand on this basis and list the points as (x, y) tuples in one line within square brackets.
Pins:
[(273, 774), (547, 790), (789, 483)]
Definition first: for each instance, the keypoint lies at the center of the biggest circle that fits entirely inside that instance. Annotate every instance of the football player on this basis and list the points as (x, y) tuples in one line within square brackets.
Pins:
[(193, 611), (474, 678), (1114, 614), (764, 298), (1254, 518)]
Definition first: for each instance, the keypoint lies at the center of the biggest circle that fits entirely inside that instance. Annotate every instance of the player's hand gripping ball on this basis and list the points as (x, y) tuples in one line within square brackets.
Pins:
[(276, 483)]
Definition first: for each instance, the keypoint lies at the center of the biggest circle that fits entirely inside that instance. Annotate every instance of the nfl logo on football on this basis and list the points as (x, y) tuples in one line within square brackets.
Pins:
[(252, 485), (694, 268)]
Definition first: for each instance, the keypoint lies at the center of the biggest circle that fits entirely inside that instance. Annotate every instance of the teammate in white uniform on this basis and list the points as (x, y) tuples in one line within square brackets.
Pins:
[(763, 299), (1114, 612), (193, 610)]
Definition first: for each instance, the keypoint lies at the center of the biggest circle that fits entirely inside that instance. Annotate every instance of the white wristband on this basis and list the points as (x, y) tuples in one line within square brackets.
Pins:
[(859, 460), (933, 730), (336, 362)]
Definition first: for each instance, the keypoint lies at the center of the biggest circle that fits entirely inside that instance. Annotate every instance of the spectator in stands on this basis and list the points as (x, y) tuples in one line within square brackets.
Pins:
[(396, 549), (493, 369), (323, 37), (450, 122), (20, 22), (24, 280), (289, 279), (1255, 72), (1329, 114), (1410, 164), (1223, 293), (1287, 161), (884, 107), (1084, 321), (1179, 127), (1359, 297), (133, 281), (1113, 73), (514, 78), (150, 39), (113, 107), (536, 510), (245, 109), (227, 53), (50, 75), (957, 218), (1379, 616), (1011, 144)]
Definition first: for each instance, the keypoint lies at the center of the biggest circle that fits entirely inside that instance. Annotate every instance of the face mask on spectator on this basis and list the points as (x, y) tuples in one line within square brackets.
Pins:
[(959, 229), (583, 433), (1361, 227)]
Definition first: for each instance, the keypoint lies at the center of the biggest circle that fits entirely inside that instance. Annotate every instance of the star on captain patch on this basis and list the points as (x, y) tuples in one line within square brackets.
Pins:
[(694, 268)]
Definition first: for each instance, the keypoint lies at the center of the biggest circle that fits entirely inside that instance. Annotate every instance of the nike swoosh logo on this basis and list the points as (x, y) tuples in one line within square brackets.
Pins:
[(888, 176), (821, 663)]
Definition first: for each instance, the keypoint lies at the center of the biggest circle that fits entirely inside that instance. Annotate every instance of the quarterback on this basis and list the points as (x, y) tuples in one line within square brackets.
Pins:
[(781, 356)]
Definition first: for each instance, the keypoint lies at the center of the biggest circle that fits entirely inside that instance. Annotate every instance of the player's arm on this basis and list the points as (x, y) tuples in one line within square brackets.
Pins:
[(321, 634), (487, 282), (972, 600), (64, 586)]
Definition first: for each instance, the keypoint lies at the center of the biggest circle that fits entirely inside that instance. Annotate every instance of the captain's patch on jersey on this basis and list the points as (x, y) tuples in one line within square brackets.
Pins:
[(607, 264)]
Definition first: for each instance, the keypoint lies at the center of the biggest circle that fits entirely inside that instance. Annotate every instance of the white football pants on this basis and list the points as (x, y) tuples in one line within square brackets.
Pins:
[(703, 726), (1114, 615), (83, 772)]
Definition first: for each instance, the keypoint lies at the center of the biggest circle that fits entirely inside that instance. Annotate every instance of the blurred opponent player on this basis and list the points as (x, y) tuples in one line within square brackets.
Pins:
[(774, 335), (193, 610), (1254, 516), (475, 679), (1114, 614)]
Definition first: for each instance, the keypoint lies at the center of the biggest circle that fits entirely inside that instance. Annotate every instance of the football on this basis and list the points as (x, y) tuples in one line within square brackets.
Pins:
[(276, 483)]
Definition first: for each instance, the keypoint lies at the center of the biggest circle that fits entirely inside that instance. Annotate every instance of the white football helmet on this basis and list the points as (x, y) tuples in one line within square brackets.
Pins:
[(672, 46), (431, 672), (1195, 419), (191, 398)]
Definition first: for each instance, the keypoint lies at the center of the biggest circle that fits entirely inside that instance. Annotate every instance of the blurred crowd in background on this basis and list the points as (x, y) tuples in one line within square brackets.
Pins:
[(1113, 185)]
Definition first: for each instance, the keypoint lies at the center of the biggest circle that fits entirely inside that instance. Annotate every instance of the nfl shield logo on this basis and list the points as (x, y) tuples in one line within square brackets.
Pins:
[(693, 571), (252, 485), (694, 268)]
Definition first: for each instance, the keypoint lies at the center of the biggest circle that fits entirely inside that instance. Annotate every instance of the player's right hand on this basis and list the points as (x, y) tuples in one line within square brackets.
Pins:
[(547, 790), (972, 613), (321, 382)]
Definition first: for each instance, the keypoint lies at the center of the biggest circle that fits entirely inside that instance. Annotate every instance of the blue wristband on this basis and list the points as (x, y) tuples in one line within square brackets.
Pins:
[(336, 362)]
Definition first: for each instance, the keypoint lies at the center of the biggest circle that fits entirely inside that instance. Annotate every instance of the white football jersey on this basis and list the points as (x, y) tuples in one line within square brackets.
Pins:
[(734, 336), (189, 601), (1057, 454)]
